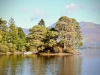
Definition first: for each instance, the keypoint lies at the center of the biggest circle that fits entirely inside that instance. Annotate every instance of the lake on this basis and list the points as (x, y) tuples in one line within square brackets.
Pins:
[(88, 63)]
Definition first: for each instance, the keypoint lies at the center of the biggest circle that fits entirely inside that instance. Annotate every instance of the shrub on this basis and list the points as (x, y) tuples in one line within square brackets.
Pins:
[(3, 48), (57, 49)]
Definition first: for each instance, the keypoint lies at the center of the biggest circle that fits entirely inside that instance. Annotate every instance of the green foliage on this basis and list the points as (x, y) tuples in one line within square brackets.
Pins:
[(11, 39), (0, 35), (42, 38), (41, 22), (65, 37), (3, 48), (3, 36), (51, 34), (12, 47), (21, 33), (3, 26), (3, 30), (69, 32), (36, 36), (51, 39), (37, 32), (22, 39), (57, 49), (13, 32), (51, 43), (16, 36)]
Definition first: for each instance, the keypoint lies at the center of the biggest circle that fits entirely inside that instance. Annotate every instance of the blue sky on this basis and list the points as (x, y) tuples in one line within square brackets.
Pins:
[(28, 13)]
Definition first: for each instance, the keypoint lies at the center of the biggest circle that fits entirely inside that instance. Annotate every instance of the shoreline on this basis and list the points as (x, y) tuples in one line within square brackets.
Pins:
[(42, 54), (1, 53), (58, 54)]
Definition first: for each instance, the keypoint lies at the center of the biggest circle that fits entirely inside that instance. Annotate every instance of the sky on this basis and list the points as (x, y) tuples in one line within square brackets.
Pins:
[(28, 13)]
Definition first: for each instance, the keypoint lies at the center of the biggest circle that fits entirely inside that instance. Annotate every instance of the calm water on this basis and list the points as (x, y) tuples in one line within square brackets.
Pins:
[(88, 63)]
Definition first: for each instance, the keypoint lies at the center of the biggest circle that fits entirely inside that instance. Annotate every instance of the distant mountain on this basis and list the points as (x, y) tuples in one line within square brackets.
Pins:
[(90, 33), (26, 31), (52, 26)]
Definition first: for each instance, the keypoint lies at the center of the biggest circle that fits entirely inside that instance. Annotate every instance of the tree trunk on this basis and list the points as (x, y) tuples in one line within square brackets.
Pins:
[(64, 46), (64, 43)]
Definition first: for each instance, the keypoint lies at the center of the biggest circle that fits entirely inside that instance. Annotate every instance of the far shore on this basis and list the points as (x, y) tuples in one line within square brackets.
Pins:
[(44, 54), (11, 52)]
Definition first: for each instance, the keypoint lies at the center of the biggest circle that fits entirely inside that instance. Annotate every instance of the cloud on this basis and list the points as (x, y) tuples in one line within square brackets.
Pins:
[(24, 10), (34, 18), (38, 14), (71, 8)]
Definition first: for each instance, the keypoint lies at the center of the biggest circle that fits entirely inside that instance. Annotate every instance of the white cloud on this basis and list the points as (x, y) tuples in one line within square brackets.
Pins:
[(38, 14), (72, 5), (25, 10), (67, 6), (71, 8)]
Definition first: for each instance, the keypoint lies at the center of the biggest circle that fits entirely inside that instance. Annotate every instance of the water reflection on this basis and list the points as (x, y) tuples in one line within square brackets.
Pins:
[(40, 65), (90, 62)]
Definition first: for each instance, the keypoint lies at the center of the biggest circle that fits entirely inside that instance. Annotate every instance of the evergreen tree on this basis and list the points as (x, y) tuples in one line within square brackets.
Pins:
[(3, 29), (36, 36), (51, 39), (41, 22), (13, 32), (13, 35), (3, 36), (22, 39), (21, 34)]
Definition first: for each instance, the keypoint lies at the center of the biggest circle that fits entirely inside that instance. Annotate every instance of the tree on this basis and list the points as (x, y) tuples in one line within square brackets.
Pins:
[(36, 36), (69, 32), (17, 37), (41, 22), (22, 39), (3, 30), (21, 33), (78, 36), (3, 48), (13, 32), (12, 47), (13, 35), (3, 36), (0, 36), (3, 26), (51, 39)]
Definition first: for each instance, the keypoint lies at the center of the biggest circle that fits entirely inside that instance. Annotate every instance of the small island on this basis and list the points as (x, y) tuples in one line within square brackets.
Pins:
[(62, 39)]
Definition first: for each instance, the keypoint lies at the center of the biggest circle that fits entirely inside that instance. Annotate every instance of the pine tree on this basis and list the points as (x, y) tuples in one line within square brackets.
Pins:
[(22, 39), (41, 22), (36, 36), (13, 32)]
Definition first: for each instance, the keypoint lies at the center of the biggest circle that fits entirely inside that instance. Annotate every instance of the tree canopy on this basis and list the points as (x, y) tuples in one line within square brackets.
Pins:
[(41, 22), (69, 32), (65, 37), (12, 38)]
